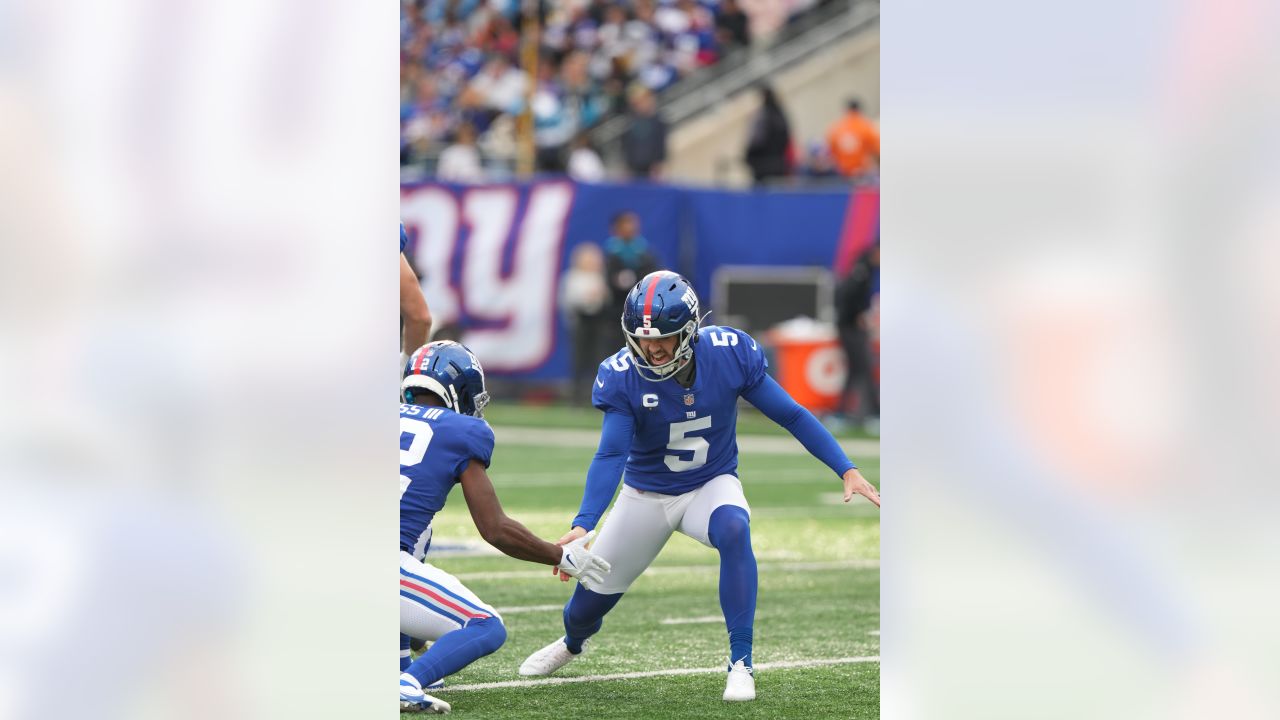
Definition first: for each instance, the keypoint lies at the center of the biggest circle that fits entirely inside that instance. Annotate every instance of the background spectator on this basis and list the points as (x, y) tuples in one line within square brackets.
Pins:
[(644, 144), (732, 26), (770, 141), (584, 297), (499, 88), (460, 162), (856, 295), (585, 164), (460, 64), (627, 259), (818, 162), (854, 142)]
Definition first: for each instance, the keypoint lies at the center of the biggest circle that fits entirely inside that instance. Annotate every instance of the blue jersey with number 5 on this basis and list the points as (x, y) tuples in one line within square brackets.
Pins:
[(683, 437), (436, 445)]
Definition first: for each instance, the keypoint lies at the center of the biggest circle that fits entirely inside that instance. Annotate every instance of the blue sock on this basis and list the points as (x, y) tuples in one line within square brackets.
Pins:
[(405, 657), (584, 614), (730, 533), (458, 649)]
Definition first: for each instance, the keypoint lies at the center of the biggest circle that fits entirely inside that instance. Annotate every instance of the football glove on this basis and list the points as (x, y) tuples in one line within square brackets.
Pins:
[(579, 562)]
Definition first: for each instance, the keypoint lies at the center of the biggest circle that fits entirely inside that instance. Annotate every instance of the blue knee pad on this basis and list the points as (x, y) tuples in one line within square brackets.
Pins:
[(458, 649), (730, 526), (492, 637)]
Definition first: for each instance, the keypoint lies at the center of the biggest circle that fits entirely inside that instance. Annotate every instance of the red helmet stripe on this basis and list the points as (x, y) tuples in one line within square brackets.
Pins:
[(648, 297), (418, 369)]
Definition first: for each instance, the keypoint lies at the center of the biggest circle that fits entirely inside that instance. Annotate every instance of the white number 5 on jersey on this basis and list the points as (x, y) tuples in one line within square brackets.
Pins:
[(724, 338), (681, 441)]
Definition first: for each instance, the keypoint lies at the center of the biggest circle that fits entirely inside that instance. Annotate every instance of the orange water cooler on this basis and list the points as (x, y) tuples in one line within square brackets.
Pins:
[(809, 363)]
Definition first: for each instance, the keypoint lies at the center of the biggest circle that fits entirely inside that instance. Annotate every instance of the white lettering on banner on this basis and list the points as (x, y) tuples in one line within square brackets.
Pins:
[(434, 214), (521, 303), (489, 213)]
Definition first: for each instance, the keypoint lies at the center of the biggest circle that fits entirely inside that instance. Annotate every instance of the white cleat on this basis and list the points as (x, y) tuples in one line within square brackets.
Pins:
[(413, 700), (741, 683), (548, 660)]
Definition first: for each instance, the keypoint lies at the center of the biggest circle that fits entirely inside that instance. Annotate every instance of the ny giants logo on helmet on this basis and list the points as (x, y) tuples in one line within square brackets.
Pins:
[(689, 299)]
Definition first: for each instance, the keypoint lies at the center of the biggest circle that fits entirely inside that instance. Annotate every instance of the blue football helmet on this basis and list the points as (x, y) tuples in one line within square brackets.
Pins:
[(449, 371), (662, 304)]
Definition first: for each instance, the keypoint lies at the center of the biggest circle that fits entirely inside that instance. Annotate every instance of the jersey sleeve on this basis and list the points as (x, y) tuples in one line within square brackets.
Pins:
[(769, 397), (751, 359), (479, 446), (606, 468), (404, 238), (608, 391)]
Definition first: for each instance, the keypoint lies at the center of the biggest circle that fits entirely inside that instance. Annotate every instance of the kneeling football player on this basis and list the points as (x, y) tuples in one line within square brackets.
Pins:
[(443, 441), (670, 418)]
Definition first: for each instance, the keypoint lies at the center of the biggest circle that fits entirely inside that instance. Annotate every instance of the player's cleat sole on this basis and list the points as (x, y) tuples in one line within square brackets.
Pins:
[(548, 660), (426, 704), (740, 684), (413, 700)]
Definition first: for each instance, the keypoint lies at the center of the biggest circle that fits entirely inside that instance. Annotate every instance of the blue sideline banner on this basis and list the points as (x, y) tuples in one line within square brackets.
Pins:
[(491, 256)]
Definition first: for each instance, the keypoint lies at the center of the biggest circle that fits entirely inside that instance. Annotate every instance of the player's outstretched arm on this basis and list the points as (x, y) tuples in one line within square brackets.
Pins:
[(605, 471), (413, 307), (769, 397), (602, 477), (514, 539)]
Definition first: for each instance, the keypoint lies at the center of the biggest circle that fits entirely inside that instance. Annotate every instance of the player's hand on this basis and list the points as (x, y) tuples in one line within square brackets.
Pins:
[(572, 535), (569, 537), (579, 562), (854, 483)]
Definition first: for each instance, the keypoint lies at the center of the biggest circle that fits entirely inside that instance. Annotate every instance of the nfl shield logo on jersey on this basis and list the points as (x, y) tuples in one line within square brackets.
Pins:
[(688, 399)]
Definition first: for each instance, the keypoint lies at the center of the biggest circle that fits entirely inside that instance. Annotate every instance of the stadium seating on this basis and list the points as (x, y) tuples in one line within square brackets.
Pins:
[(459, 65)]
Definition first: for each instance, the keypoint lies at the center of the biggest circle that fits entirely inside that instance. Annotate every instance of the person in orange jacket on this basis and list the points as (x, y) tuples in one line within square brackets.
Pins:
[(854, 142)]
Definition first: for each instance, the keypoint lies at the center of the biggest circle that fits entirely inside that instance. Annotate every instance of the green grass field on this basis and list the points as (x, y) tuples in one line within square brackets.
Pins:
[(819, 595)]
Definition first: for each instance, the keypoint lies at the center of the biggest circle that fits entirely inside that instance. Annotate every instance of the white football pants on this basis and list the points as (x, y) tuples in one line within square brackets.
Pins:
[(640, 523), (433, 602)]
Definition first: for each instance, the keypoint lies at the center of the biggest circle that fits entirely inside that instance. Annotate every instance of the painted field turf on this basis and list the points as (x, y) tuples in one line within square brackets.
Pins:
[(819, 597)]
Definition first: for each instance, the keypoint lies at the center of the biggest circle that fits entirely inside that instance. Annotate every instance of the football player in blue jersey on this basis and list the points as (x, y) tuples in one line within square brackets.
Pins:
[(670, 417), (415, 317), (443, 441)]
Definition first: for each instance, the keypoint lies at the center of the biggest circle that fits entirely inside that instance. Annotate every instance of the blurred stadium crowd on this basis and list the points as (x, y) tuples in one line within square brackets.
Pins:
[(464, 83)]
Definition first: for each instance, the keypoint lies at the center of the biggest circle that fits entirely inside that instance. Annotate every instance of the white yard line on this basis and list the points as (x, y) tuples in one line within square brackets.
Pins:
[(761, 444), (874, 632), (692, 620), (782, 665), (575, 477), (528, 609), (677, 569)]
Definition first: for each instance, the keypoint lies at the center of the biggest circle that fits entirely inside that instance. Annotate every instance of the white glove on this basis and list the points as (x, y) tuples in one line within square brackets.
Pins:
[(579, 562)]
